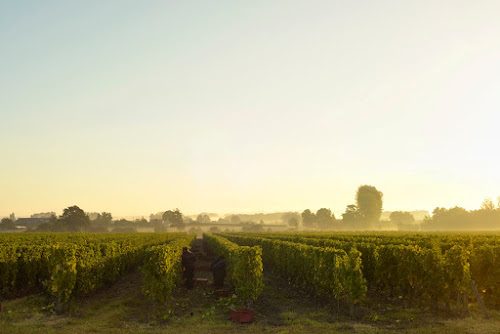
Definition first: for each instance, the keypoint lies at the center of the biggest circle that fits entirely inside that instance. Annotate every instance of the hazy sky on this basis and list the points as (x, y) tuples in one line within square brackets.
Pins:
[(136, 107)]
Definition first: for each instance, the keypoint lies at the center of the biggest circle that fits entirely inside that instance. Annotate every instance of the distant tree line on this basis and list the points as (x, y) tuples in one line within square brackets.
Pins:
[(73, 219), (458, 218), (323, 219), (365, 214), (7, 224)]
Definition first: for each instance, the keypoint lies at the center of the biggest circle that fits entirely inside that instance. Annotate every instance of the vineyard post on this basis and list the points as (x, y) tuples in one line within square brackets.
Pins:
[(462, 304), (473, 285), (351, 306), (465, 299)]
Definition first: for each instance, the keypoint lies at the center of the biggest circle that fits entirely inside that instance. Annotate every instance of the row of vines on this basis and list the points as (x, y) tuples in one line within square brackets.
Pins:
[(329, 271), (434, 273), (162, 267), (66, 265), (244, 265)]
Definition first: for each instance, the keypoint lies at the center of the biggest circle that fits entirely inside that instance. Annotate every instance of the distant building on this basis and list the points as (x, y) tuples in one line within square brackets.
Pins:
[(31, 222)]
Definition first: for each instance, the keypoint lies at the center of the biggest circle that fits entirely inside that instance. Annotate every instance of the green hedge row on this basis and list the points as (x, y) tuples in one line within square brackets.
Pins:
[(162, 269), (330, 271), (65, 266), (244, 265)]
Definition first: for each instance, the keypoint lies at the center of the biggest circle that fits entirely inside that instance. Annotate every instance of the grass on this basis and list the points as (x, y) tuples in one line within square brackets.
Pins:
[(281, 309)]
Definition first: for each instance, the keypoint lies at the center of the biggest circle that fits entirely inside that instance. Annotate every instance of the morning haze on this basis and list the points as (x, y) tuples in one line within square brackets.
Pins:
[(133, 108)]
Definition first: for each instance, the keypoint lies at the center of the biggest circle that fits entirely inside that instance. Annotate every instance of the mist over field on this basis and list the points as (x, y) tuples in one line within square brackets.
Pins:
[(365, 214)]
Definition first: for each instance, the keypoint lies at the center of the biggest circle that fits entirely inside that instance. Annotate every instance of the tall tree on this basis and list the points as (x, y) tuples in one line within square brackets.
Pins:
[(400, 217), (308, 218), (235, 219), (74, 219), (173, 218), (351, 214), (488, 205), (369, 202), (456, 218), (203, 219), (291, 218), (104, 218), (7, 224), (293, 222), (325, 218)]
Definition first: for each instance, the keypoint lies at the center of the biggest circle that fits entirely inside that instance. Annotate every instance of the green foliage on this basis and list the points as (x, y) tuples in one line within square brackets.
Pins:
[(456, 269), (352, 217), (7, 224), (400, 217), (330, 271), (291, 218), (162, 269), (252, 226), (70, 264), (369, 202), (324, 218), (62, 263), (203, 219), (422, 268), (244, 266), (235, 219), (308, 218), (458, 218), (75, 219), (104, 218), (173, 218), (485, 270)]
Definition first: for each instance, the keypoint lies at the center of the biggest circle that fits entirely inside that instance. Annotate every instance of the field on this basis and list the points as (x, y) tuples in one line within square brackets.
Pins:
[(296, 283)]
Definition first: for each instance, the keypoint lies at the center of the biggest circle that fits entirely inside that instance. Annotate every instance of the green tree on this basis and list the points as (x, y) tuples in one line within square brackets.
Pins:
[(104, 218), (173, 219), (53, 225), (7, 224), (252, 226), (235, 219), (369, 202), (74, 219), (400, 217), (308, 218), (203, 219), (456, 218), (351, 214), (291, 218), (293, 222), (325, 218)]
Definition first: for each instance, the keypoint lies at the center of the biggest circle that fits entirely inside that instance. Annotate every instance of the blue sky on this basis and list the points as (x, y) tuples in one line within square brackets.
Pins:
[(136, 107)]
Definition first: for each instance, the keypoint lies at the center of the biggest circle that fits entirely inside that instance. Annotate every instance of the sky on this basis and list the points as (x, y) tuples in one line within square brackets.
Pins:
[(135, 107)]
